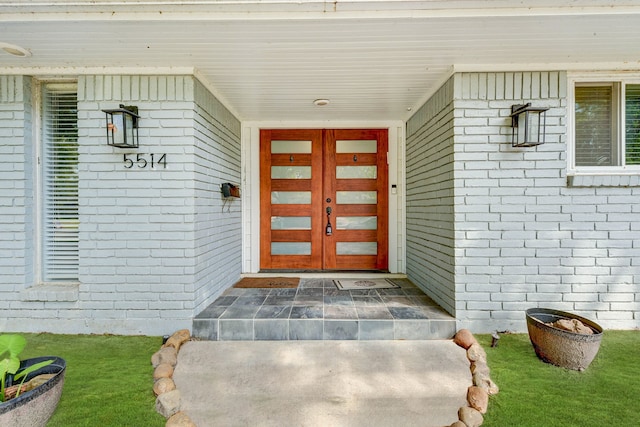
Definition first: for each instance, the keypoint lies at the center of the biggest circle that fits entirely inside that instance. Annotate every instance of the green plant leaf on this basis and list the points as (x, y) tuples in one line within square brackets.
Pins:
[(31, 369), (9, 365), (12, 344), (25, 372)]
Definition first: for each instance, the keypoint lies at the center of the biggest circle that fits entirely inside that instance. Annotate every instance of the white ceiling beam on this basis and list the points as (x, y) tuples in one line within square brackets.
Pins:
[(216, 10)]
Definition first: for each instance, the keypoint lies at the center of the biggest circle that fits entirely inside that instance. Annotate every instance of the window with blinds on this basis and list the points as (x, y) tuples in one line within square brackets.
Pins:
[(632, 125), (60, 218), (594, 126), (607, 124)]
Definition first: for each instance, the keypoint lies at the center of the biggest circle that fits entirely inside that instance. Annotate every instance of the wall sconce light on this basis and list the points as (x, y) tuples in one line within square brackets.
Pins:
[(122, 126), (528, 125)]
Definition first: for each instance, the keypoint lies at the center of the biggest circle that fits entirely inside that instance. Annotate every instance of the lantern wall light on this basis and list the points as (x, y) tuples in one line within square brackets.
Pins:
[(528, 125), (122, 126)]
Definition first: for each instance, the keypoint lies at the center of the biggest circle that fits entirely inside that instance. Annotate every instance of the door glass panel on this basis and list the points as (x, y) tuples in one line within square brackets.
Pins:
[(356, 197), (291, 172), (290, 197), (356, 248), (357, 223), (360, 146), (290, 248), (356, 172), (286, 147), (291, 223)]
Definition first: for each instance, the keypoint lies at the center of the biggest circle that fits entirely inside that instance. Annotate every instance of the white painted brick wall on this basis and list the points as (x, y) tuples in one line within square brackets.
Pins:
[(16, 185), (522, 235), (148, 236), (218, 236), (430, 193), (134, 220)]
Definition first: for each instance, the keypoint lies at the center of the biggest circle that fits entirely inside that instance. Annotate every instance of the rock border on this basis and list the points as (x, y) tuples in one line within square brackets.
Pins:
[(168, 397), (483, 387)]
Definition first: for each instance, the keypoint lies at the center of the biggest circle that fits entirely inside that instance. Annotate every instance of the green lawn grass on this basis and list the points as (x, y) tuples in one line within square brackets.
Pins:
[(108, 382), (534, 393)]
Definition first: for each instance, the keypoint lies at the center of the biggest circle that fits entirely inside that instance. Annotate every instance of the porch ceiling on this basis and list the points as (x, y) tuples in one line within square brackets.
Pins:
[(374, 60)]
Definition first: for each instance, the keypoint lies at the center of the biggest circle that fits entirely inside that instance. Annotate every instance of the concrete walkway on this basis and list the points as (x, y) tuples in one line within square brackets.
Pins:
[(322, 383)]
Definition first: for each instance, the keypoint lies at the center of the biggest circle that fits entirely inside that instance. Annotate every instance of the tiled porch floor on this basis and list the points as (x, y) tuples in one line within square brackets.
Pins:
[(317, 310)]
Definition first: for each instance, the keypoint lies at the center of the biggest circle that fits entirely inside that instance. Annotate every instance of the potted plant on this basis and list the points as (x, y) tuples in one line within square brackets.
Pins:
[(29, 389), (572, 349)]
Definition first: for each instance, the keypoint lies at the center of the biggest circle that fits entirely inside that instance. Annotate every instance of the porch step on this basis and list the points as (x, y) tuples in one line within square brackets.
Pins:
[(317, 310)]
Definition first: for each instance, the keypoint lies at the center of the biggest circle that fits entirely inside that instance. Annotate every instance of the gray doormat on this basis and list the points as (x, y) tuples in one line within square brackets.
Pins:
[(348, 285)]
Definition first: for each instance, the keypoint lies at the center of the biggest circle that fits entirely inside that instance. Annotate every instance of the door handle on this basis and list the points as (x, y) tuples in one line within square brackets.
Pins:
[(328, 229)]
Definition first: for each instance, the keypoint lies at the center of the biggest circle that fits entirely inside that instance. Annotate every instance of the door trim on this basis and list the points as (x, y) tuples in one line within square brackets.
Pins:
[(250, 183)]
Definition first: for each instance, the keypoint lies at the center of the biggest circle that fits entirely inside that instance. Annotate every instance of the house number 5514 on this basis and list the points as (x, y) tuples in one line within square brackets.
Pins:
[(145, 160)]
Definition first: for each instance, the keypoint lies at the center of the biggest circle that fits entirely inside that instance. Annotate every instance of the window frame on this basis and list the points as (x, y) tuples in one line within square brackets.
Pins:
[(41, 193), (618, 81)]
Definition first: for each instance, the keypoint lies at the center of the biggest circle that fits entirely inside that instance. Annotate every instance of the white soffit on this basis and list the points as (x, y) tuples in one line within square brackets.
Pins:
[(268, 60)]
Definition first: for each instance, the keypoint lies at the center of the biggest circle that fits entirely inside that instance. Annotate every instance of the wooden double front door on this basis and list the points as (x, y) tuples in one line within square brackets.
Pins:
[(324, 199)]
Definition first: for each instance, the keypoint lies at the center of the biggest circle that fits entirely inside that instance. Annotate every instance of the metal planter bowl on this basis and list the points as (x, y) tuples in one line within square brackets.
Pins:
[(34, 407), (562, 348)]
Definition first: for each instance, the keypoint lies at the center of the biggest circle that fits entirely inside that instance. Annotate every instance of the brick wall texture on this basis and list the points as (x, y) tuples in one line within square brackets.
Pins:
[(493, 230), (156, 245)]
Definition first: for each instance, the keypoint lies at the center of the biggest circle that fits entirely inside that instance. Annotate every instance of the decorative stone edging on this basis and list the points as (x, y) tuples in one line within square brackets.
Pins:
[(477, 394), (164, 362)]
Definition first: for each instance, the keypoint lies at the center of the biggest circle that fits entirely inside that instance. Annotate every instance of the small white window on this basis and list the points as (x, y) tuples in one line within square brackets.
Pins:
[(606, 127), (59, 182)]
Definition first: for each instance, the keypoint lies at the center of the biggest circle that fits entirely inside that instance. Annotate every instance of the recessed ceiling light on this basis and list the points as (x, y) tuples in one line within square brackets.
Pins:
[(14, 50), (321, 102)]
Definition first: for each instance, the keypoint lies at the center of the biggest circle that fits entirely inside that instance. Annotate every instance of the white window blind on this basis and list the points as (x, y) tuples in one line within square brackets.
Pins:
[(595, 142), (632, 125), (60, 218)]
